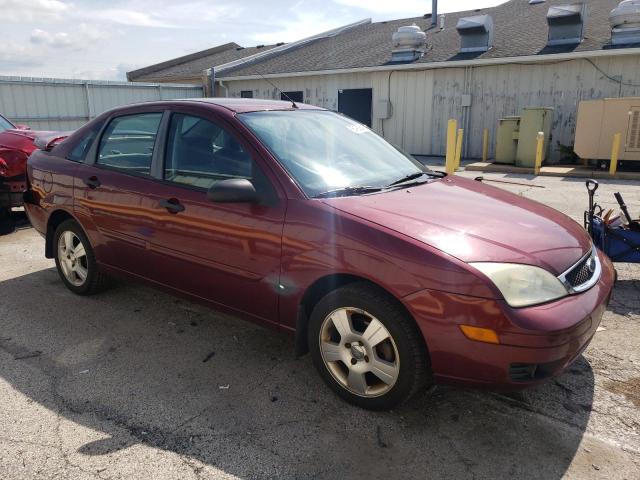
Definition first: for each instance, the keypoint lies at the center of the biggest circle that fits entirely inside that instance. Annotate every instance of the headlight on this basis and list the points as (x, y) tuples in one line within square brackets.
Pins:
[(523, 285)]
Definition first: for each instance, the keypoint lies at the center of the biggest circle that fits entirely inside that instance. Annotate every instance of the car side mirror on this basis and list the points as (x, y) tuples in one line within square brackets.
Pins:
[(233, 190)]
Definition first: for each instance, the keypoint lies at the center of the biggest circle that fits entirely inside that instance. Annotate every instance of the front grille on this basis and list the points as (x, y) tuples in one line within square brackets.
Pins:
[(522, 372), (581, 273), (527, 372)]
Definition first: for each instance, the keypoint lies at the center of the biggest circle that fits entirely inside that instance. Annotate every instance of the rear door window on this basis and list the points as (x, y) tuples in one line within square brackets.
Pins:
[(128, 142)]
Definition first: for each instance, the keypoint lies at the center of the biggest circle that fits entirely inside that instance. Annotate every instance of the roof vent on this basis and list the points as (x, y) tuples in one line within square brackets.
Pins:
[(535, 2), (625, 23), (476, 33), (409, 44), (566, 24)]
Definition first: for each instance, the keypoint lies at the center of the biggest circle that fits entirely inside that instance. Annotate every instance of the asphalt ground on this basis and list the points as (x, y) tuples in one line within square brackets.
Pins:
[(135, 383)]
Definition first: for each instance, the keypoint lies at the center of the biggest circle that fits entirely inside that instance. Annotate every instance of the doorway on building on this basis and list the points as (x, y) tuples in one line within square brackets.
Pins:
[(297, 97), (356, 103)]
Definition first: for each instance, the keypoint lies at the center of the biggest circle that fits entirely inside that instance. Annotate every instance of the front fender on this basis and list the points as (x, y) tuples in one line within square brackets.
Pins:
[(319, 241)]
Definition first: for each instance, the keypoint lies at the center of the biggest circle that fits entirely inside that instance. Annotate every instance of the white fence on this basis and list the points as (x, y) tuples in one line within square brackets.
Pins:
[(57, 104)]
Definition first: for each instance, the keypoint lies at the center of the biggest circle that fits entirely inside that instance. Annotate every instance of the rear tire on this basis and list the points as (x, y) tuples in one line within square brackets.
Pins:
[(367, 348), (76, 261)]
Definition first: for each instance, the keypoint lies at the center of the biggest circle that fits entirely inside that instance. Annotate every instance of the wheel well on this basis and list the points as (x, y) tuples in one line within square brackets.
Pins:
[(316, 292), (55, 219)]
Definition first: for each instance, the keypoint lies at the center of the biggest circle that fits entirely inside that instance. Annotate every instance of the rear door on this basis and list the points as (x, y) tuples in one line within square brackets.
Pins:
[(114, 192), (228, 253)]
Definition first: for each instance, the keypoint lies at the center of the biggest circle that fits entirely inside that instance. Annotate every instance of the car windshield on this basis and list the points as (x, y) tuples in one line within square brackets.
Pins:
[(325, 152), (5, 124)]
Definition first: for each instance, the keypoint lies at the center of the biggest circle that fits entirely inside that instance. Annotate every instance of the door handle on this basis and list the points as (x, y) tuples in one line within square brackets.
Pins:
[(173, 205), (92, 182)]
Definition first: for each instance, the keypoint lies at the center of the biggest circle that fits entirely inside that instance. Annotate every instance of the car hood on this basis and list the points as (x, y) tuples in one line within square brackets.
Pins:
[(475, 222)]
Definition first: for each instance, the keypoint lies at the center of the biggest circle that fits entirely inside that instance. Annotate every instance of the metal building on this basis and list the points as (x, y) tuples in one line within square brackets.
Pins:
[(408, 77), (60, 104)]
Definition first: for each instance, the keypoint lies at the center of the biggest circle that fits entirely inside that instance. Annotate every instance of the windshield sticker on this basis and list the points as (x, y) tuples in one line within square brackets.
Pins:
[(357, 128)]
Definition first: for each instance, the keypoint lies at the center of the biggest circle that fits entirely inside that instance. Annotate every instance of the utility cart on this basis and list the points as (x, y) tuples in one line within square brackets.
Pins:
[(620, 242)]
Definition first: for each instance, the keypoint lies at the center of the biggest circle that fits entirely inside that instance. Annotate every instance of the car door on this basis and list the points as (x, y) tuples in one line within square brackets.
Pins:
[(228, 253), (114, 192)]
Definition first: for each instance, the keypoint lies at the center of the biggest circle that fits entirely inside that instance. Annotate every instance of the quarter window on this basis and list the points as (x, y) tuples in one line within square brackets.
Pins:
[(127, 144), (199, 153), (79, 152)]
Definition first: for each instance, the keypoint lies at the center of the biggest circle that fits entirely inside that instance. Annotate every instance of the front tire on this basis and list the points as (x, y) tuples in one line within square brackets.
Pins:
[(367, 348), (75, 260)]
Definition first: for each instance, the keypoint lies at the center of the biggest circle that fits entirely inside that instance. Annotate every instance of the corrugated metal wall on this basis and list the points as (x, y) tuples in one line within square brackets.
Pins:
[(55, 104), (423, 101)]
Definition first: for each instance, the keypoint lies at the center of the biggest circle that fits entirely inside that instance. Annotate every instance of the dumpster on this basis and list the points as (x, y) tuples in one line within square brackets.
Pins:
[(532, 121), (507, 139)]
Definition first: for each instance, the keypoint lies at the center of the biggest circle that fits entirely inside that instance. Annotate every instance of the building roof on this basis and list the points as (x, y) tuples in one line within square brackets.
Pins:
[(521, 29), (194, 64)]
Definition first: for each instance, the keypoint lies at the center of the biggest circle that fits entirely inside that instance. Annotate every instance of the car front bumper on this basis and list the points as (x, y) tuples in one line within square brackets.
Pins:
[(535, 342)]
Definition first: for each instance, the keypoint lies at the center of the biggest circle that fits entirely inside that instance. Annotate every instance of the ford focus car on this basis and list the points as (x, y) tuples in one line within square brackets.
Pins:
[(391, 276)]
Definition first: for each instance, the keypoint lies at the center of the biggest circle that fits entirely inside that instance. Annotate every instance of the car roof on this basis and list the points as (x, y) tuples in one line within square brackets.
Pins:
[(236, 105), (242, 105)]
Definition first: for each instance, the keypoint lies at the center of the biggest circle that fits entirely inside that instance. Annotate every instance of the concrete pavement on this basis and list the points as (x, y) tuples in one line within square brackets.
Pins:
[(135, 383)]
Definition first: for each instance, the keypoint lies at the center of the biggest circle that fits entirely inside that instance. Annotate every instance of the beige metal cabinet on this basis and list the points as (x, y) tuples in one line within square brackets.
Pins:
[(599, 120)]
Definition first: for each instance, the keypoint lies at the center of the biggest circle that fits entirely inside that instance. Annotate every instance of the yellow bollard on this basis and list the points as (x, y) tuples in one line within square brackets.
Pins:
[(452, 127), (485, 145), (459, 147), (615, 153), (539, 151)]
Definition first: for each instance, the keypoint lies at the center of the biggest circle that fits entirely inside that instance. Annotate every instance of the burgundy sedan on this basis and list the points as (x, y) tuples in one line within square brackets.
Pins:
[(392, 276)]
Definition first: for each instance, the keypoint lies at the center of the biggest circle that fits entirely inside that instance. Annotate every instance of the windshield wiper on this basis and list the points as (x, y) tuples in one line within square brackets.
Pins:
[(352, 190), (407, 178), (414, 176)]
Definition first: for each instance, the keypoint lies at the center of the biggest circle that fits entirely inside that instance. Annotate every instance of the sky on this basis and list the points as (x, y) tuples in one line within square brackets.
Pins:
[(103, 39)]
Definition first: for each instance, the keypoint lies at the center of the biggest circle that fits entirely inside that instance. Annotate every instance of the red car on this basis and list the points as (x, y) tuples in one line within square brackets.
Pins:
[(391, 275), (16, 144)]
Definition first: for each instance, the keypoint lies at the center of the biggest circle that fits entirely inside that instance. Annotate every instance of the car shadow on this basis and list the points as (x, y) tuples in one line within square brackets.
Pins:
[(142, 367), (16, 220), (625, 297)]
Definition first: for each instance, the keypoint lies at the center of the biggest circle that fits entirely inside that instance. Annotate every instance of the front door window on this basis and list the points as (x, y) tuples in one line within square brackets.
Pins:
[(199, 153)]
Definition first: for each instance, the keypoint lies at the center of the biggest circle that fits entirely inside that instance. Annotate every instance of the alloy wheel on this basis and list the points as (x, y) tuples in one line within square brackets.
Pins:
[(359, 352), (72, 258)]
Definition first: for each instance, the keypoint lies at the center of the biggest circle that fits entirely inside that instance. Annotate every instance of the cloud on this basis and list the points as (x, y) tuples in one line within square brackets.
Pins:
[(55, 40), (160, 13), (298, 26), (14, 56), (31, 10), (83, 37), (133, 18), (414, 8)]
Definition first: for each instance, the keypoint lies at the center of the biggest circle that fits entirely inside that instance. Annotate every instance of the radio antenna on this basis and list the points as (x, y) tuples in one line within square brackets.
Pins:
[(293, 104)]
